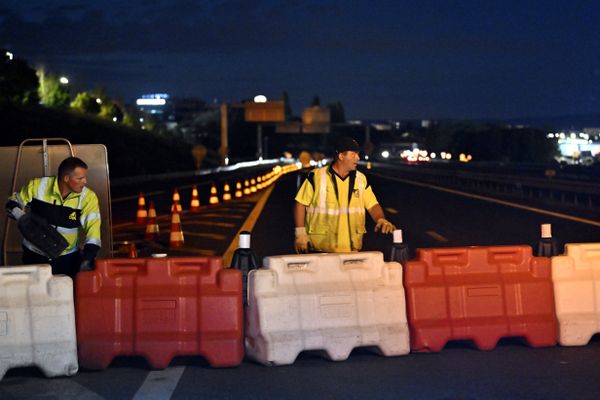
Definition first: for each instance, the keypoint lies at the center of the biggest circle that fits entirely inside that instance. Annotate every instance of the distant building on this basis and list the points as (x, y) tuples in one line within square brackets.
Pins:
[(158, 105), (592, 132), (316, 119)]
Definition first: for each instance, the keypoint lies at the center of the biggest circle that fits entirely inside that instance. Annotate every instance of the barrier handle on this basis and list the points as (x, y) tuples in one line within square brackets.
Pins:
[(124, 268), (355, 263), (17, 276), (298, 266)]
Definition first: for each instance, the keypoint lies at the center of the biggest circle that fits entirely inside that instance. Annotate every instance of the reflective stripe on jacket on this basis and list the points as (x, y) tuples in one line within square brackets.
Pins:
[(64, 212), (324, 212)]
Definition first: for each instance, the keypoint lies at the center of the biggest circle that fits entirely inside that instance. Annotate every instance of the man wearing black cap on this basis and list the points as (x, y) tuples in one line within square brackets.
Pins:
[(330, 206)]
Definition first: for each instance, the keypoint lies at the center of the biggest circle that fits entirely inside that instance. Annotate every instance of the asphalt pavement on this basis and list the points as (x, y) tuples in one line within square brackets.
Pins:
[(429, 218)]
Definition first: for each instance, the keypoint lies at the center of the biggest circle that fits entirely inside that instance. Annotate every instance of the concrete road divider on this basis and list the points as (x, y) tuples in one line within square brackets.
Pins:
[(576, 278), (159, 308), (479, 294), (330, 302), (37, 321)]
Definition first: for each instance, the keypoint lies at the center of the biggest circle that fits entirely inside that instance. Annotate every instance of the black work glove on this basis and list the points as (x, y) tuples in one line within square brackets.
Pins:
[(86, 265)]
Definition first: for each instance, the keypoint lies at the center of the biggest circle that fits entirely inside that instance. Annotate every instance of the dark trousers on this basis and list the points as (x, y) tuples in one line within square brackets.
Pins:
[(65, 265)]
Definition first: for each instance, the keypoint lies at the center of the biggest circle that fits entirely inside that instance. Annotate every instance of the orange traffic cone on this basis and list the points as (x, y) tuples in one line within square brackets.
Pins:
[(238, 190), (141, 212), (226, 192), (195, 203), (253, 185), (247, 190), (132, 250), (176, 236), (152, 230), (214, 198), (176, 206)]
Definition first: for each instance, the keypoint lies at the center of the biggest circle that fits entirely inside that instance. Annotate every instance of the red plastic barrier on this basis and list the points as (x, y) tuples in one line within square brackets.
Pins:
[(159, 308), (480, 294)]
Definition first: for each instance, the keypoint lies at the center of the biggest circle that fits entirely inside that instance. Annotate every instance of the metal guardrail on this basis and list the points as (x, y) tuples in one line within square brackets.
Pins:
[(188, 174), (551, 190)]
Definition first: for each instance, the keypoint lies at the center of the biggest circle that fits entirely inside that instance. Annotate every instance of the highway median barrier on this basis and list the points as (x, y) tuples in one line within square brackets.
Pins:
[(330, 302), (576, 278), (481, 294), (159, 308), (37, 321)]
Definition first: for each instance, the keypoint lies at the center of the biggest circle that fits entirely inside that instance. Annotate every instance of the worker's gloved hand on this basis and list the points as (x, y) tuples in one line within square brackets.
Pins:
[(86, 265), (384, 226), (16, 213), (302, 241)]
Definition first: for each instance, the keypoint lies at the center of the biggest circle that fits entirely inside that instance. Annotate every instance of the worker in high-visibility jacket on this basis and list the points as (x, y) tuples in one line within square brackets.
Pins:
[(330, 206), (67, 205)]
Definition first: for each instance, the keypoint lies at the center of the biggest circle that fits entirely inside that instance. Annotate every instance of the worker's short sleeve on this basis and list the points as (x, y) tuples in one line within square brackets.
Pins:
[(369, 198), (306, 192)]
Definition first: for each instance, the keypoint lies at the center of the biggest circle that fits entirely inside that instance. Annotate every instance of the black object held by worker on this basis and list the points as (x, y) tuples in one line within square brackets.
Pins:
[(42, 235), (547, 246), (245, 259), (400, 251)]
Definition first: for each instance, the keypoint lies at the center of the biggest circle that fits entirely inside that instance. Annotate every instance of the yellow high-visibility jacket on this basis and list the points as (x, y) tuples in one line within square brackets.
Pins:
[(335, 209), (77, 211)]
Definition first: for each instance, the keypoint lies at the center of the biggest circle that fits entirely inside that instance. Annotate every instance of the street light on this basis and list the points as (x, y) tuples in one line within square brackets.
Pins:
[(64, 80), (261, 98)]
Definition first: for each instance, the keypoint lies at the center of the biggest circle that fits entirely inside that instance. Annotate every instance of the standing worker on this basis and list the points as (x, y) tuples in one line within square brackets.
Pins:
[(330, 206), (66, 204)]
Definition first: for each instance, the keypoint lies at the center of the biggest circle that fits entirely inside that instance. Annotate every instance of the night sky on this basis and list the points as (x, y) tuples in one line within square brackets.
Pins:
[(396, 59)]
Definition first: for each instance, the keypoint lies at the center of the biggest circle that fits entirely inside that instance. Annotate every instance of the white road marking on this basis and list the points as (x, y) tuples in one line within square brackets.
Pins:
[(214, 236), (160, 385), (494, 200), (437, 236)]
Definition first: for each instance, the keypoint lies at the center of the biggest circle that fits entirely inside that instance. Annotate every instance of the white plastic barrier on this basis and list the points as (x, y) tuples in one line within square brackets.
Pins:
[(37, 321), (331, 302), (576, 279)]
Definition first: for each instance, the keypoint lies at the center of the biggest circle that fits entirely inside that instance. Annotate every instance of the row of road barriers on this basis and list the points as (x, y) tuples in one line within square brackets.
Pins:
[(159, 308)]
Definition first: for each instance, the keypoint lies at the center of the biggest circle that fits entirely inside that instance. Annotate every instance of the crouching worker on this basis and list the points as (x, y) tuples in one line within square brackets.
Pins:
[(51, 213)]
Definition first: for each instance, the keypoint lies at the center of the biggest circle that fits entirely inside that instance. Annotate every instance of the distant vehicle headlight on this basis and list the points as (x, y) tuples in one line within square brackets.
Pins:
[(385, 154)]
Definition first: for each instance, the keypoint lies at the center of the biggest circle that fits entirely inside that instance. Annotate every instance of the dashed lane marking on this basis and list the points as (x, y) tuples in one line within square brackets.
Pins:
[(211, 223), (437, 236), (391, 210), (214, 236), (493, 200), (189, 217), (224, 215), (160, 385)]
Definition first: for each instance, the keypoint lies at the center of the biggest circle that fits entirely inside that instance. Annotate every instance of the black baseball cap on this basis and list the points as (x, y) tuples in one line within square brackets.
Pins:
[(345, 143)]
